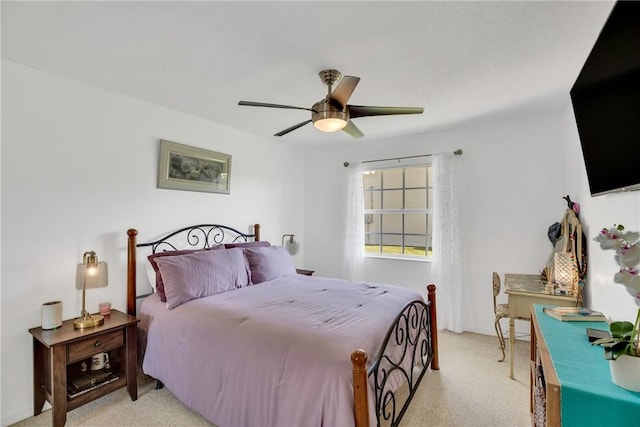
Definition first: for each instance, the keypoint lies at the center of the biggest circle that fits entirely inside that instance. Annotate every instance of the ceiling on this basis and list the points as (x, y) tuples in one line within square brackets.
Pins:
[(461, 61)]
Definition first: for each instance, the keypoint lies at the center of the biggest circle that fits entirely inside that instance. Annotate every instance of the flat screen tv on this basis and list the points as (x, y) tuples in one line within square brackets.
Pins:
[(606, 104)]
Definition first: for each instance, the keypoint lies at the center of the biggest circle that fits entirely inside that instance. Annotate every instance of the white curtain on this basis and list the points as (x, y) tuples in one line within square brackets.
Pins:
[(448, 268), (354, 232)]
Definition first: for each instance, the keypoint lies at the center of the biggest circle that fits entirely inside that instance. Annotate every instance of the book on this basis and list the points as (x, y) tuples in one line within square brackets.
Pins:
[(574, 314), (89, 382)]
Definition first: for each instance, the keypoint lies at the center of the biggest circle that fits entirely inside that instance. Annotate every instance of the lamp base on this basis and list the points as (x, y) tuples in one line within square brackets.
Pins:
[(88, 321)]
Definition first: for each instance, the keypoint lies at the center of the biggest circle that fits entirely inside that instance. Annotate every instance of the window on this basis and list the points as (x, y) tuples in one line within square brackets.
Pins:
[(398, 211)]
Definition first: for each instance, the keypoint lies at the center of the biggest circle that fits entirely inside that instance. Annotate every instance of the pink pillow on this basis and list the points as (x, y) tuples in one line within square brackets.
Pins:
[(152, 259), (258, 244), (201, 274), (268, 263)]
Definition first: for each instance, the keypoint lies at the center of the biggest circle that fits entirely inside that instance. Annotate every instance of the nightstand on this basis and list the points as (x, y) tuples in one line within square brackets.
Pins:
[(305, 272), (62, 361)]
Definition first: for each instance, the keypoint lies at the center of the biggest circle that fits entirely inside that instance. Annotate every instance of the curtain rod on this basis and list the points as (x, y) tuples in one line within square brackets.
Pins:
[(457, 152)]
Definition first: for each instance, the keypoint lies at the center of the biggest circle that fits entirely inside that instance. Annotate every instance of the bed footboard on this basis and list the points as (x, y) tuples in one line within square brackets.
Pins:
[(411, 342)]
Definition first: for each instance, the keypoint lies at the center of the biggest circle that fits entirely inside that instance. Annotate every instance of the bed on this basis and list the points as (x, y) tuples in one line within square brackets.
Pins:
[(261, 345)]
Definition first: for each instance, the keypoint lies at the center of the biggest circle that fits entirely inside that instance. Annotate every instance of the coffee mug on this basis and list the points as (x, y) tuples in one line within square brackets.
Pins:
[(99, 360)]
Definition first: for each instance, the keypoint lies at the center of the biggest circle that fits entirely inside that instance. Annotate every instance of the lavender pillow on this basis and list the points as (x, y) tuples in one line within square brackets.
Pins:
[(201, 274), (268, 263), (258, 244), (159, 284)]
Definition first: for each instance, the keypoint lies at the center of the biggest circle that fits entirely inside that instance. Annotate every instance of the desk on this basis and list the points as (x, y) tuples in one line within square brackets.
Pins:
[(524, 290), (570, 380)]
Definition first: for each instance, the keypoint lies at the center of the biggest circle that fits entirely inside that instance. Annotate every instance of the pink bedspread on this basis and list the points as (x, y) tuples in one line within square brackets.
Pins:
[(273, 354)]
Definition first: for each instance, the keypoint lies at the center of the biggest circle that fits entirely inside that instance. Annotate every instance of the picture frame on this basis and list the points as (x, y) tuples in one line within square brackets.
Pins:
[(183, 167)]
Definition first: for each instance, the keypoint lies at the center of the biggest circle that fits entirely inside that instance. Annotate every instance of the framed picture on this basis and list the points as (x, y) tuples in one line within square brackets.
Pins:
[(183, 167)]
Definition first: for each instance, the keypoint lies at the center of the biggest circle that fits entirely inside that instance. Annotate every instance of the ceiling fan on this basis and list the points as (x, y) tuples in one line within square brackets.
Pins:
[(332, 113)]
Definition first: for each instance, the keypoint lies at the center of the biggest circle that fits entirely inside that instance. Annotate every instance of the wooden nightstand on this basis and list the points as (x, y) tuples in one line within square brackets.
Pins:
[(58, 356), (305, 272)]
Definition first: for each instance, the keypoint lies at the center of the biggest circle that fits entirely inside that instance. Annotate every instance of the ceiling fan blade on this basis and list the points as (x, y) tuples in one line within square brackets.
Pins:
[(353, 130), (264, 104), (356, 111), (343, 91), (292, 128)]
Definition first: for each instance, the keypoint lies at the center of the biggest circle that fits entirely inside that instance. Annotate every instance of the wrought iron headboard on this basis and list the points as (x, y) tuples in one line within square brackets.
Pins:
[(202, 236), (199, 236)]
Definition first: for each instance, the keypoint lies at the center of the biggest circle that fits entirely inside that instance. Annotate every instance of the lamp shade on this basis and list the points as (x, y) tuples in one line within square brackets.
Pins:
[(331, 121), (98, 278)]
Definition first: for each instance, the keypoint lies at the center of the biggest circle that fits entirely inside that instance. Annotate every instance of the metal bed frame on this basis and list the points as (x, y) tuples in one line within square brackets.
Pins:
[(414, 330)]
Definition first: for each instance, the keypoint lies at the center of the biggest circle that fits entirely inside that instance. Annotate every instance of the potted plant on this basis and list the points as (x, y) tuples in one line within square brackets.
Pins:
[(622, 349), (623, 340), (623, 352)]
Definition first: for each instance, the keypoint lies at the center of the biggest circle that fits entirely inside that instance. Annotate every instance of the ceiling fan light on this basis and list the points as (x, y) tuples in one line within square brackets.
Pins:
[(330, 125), (330, 121)]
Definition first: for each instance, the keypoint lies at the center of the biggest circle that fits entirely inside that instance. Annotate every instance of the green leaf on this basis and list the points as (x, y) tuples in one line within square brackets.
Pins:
[(621, 330)]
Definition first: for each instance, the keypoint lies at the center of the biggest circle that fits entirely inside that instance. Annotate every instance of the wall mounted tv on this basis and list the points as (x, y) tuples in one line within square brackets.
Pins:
[(606, 104)]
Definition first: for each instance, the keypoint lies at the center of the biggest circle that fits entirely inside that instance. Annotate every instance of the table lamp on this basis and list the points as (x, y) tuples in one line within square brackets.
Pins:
[(90, 274)]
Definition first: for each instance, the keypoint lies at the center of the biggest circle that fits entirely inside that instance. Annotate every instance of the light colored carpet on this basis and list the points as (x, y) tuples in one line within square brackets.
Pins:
[(470, 389)]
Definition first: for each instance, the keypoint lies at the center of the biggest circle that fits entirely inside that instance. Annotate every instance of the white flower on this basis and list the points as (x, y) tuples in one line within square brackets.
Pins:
[(627, 255)]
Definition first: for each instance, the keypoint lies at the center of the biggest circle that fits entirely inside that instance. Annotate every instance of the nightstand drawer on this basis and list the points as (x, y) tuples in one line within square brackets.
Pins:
[(95, 344)]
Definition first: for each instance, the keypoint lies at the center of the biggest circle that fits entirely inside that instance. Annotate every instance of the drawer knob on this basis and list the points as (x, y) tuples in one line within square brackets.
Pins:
[(97, 344)]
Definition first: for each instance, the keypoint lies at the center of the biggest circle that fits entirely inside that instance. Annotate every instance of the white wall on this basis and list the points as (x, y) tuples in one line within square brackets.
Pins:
[(516, 171), (512, 187), (79, 168)]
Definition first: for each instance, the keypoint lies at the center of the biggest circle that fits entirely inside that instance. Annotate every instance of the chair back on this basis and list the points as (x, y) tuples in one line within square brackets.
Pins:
[(496, 288)]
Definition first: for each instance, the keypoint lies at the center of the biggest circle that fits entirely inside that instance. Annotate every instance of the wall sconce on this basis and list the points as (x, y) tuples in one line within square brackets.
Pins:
[(290, 244), (90, 274)]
